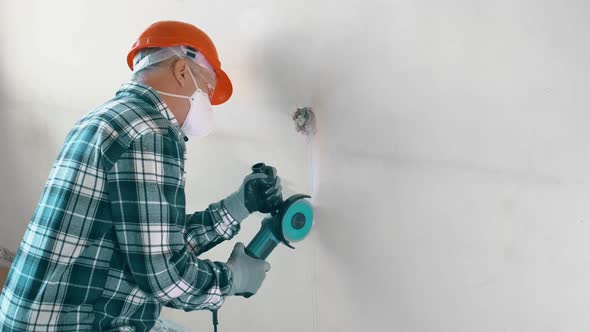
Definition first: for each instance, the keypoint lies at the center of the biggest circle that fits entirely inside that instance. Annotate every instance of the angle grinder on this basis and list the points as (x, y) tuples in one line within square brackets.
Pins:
[(290, 222)]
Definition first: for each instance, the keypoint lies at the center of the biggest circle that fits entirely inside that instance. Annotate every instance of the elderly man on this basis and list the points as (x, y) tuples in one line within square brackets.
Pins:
[(110, 242)]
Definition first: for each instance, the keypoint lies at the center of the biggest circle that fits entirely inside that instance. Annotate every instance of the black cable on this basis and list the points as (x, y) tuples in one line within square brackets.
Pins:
[(215, 322)]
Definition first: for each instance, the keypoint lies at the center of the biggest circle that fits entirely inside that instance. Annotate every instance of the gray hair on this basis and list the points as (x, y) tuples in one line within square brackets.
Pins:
[(140, 75)]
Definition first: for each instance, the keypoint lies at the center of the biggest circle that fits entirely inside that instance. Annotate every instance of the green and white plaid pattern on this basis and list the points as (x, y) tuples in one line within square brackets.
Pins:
[(109, 243)]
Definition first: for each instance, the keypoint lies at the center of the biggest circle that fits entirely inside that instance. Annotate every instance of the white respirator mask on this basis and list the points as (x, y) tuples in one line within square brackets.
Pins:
[(199, 121)]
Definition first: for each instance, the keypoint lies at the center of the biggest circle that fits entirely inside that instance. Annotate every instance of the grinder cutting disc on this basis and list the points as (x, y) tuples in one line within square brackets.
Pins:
[(296, 218)]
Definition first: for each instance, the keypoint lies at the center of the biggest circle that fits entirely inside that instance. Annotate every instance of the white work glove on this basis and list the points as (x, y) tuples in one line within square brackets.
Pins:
[(248, 273)]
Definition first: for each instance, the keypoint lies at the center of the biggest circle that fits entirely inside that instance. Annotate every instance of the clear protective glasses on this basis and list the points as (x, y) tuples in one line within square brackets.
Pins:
[(205, 77), (201, 69)]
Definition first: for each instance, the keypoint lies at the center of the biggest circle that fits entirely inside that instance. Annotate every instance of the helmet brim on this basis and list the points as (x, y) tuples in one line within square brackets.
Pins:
[(223, 88)]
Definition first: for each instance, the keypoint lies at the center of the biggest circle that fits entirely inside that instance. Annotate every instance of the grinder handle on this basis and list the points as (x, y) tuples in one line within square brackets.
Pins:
[(272, 172), (262, 244), (262, 168)]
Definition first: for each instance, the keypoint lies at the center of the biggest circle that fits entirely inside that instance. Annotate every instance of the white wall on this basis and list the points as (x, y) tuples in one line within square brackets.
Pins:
[(452, 152)]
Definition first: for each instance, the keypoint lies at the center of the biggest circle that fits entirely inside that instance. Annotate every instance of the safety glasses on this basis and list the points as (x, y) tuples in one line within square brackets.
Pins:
[(206, 78)]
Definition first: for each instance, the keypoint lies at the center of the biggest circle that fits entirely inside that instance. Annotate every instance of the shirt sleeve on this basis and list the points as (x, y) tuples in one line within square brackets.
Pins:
[(206, 229), (147, 201)]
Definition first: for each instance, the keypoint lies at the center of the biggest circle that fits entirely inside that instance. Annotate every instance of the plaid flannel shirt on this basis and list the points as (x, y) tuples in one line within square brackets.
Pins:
[(109, 242)]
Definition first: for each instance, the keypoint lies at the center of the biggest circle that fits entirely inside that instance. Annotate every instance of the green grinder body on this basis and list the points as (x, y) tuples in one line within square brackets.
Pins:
[(292, 223), (264, 242)]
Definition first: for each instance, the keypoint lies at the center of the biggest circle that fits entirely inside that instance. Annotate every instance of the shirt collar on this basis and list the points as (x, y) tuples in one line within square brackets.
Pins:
[(151, 96)]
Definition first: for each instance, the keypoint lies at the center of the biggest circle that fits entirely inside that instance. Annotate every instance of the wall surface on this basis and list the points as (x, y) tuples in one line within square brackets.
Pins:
[(449, 173)]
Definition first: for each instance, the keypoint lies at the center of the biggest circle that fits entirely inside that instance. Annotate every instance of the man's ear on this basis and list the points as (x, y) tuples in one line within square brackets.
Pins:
[(180, 70)]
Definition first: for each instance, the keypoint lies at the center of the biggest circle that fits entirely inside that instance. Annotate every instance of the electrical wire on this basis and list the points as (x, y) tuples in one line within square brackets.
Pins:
[(215, 321)]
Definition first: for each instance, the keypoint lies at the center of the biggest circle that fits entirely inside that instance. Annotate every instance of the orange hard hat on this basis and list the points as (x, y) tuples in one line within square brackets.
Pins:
[(174, 33)]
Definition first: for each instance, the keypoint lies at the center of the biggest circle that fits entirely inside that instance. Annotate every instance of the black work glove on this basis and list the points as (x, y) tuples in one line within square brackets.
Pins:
[(260, 191), (263, 194)]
